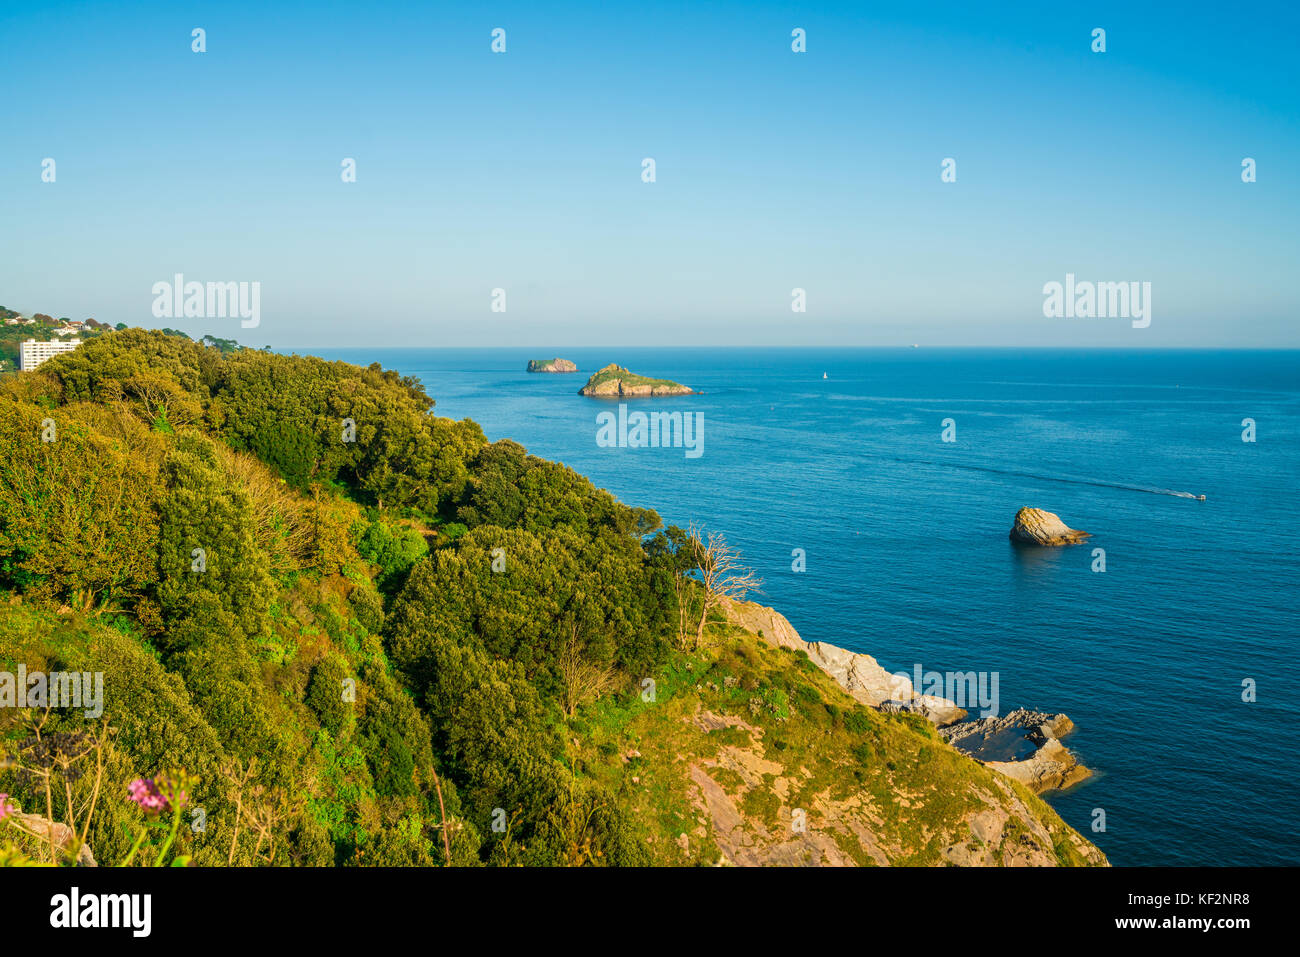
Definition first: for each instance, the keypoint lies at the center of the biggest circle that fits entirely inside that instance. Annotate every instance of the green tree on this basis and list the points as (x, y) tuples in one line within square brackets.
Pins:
[(77, 512), (207, 542), (325, 696)]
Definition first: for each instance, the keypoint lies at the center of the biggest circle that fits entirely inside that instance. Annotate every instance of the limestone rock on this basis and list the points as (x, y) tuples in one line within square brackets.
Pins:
[(1033, 526), (1051, 768), (858, 674)]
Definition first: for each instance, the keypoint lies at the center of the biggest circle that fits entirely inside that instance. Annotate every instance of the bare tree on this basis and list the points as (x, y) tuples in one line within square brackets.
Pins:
[(237, 777), (722, 574), (263, 810), (682, 592), (162, 397), (442, 808), (583, 680)]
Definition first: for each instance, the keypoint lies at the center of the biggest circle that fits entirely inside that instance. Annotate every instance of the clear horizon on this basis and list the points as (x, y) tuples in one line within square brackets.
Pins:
[(775, 171), (553, 351)]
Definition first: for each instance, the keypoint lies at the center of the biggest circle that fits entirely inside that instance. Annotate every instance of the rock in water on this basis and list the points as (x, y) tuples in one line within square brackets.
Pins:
[(614, 380), (551, 365), (1033, 526)]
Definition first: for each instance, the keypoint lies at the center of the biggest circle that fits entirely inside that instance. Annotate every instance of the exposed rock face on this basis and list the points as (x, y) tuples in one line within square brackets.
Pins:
[(614, 380), (858, 674), (1023, 745), (1033, 526), (1048, 767), (551, 365), (849, 829)]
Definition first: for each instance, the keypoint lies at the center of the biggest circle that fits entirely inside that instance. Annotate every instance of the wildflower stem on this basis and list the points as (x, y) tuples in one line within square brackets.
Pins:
[(176, 823), (126, 861)]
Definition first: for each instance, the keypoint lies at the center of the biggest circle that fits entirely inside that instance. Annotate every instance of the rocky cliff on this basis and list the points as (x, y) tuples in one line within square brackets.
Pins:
[(614, 380), (1022, 745), (858, 674), (753, 752), (1033, 526)]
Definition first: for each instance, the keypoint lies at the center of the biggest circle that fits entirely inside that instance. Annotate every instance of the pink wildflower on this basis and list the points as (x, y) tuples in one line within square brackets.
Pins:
[(146, 794)]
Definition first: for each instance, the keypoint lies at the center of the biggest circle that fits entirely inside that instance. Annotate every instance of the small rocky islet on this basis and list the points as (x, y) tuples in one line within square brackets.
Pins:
[(616, 381), (1033, 526), (551, 365)]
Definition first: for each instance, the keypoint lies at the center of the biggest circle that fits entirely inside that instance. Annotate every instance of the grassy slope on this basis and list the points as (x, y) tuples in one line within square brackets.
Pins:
[(744, 733)]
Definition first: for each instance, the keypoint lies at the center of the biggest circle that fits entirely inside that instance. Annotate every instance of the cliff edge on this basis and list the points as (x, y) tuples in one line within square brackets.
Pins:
[(750, 751), (1022, 745)]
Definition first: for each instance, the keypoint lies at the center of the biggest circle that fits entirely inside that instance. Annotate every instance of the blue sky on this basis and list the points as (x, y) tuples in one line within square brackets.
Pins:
[(775, 170)]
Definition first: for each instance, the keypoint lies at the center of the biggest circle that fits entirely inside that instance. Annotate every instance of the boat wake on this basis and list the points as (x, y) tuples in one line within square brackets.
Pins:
[(1064, 479)]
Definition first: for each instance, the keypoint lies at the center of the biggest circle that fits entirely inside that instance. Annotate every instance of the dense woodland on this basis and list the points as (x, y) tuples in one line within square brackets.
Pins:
[(242, 542)]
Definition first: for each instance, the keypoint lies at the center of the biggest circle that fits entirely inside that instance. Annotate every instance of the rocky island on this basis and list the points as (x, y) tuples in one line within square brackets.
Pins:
[(1033, 526), (614, 380), (551, 365)]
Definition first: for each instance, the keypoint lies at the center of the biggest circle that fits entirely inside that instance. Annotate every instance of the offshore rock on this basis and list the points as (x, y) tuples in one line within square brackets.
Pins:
[(614, 380), (551, 365), (1033, 526)]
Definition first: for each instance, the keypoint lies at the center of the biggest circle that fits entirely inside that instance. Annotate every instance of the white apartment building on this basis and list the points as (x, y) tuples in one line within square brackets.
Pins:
[(32, 353)]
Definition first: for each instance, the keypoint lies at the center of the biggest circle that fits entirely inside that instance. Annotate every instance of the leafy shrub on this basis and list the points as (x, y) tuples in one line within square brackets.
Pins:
[(394, 549), (325, 696), (367, 607)]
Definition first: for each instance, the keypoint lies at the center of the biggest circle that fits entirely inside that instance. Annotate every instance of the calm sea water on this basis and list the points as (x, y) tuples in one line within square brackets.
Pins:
[(908, 557)]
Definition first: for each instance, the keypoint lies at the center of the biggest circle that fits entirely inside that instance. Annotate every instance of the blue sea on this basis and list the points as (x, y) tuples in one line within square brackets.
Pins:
[(840, 453)]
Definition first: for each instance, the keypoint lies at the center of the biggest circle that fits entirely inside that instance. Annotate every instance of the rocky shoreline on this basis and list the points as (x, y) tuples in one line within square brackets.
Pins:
[(1049, 767), (1043, 763)]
